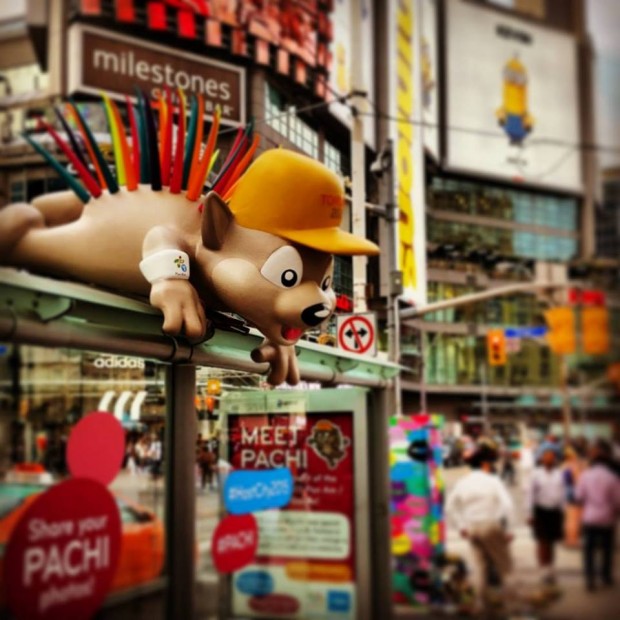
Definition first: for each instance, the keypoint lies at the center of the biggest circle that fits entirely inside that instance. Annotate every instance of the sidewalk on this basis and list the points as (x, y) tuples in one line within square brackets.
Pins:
[(575, 602)]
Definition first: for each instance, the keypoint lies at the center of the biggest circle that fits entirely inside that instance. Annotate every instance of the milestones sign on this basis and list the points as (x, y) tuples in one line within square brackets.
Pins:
[(103, 60)]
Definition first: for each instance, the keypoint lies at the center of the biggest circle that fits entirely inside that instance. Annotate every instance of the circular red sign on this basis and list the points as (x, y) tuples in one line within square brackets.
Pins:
[(62, 555), (96, 447), (234, 543), (359, 332)]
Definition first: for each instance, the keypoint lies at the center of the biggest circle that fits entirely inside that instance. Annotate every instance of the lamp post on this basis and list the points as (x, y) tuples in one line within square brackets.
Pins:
[(382, 168)]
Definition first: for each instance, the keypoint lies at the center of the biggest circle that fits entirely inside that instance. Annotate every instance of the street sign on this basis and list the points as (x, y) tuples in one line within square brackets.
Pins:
[(357, 333), (538, 331)]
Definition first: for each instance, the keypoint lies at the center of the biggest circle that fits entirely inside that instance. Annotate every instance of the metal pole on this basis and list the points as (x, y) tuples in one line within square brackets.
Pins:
[(566, 408), (381, 403), (485, 401), (358, 164), (180, 490), (463, 300), (423, 399), (395, 279)]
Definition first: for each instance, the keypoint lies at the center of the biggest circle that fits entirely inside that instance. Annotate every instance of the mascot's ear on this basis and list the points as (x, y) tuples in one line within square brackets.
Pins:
[(216, 220)]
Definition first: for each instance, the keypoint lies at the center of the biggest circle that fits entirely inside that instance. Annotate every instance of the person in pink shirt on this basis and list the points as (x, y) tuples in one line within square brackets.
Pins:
[(598, 491)]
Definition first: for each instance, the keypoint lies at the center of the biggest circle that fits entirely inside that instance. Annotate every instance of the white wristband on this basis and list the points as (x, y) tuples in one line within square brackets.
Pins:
[(165, 265)]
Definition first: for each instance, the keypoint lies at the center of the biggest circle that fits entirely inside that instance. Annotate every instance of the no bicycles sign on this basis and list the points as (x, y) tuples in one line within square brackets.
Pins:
[(357, 333)]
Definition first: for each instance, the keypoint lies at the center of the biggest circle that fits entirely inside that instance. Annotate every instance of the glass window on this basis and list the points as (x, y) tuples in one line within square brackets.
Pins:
[(498, 203), (332, 158), (44, 393), (283, 119)]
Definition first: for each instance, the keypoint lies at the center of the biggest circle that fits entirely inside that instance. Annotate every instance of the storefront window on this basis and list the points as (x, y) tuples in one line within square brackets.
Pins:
[(457, 360), (18, 81), (26, 189), (552, 212), (44, 394)]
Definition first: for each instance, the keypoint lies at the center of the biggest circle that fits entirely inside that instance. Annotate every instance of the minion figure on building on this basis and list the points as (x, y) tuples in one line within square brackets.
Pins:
[(513, 115)]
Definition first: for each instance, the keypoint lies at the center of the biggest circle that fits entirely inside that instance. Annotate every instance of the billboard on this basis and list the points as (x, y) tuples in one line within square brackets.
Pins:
[(100, 60), (299, 27), (293, 26), (406, 97), (512, 99), (340, 59)]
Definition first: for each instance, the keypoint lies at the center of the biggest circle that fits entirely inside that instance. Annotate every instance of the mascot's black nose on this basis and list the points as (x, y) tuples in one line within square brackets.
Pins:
[(314, 315)]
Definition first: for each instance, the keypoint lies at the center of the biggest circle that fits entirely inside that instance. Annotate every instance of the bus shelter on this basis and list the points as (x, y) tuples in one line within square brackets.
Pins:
[(333, 564)]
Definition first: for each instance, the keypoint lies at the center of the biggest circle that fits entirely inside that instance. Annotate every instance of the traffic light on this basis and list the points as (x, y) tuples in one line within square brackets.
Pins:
[(496, 347), (595, 330), (561, 336), (214, 387)]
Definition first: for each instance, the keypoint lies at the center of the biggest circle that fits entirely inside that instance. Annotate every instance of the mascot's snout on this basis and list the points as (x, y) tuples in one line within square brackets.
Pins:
[(316, 314)]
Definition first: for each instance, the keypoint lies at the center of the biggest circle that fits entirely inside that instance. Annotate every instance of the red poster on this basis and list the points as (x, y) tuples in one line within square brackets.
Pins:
[(306, 550)]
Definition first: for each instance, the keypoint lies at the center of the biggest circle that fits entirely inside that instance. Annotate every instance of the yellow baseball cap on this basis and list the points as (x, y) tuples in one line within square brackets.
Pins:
[(297, 198)]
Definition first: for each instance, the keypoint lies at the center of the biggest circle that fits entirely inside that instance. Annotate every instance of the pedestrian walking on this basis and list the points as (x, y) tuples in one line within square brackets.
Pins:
[(206, 462), (598, 491), (573, 467), (545, 504), (508, 466), (482, 509)]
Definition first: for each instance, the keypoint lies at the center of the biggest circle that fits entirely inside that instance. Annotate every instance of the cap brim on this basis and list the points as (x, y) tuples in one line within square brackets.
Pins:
[(331, 240)]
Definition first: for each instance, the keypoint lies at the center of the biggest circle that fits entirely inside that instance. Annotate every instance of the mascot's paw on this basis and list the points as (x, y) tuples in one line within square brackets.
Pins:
[(182, 308), (282, 362)]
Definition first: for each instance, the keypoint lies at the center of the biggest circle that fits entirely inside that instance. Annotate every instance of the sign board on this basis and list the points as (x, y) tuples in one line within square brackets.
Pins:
[(104, 60), (406, 104), (357, 333), (62, 555), (512, 98), (586, 297), (538, 331), (305, 562)]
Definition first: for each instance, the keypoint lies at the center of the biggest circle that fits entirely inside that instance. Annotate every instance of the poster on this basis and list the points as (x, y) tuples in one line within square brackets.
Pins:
[(305, 562), (416, 506), (512, 100)]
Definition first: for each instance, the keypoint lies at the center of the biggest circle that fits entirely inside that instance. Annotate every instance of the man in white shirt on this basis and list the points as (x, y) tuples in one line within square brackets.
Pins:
[(545, 504), (483, 511)]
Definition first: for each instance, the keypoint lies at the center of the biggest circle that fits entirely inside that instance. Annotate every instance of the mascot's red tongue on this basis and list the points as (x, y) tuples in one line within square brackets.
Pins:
[(291, 333)]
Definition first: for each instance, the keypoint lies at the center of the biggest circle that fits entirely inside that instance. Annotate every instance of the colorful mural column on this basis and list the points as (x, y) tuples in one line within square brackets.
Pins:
[(418, 527)]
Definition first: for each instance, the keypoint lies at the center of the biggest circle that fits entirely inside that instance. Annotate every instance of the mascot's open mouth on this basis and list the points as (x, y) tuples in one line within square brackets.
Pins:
[(291, 333)]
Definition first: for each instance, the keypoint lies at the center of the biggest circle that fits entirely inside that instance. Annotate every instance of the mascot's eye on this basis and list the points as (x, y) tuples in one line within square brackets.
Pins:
[(327, 282), (284, 267), (289, 278)]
